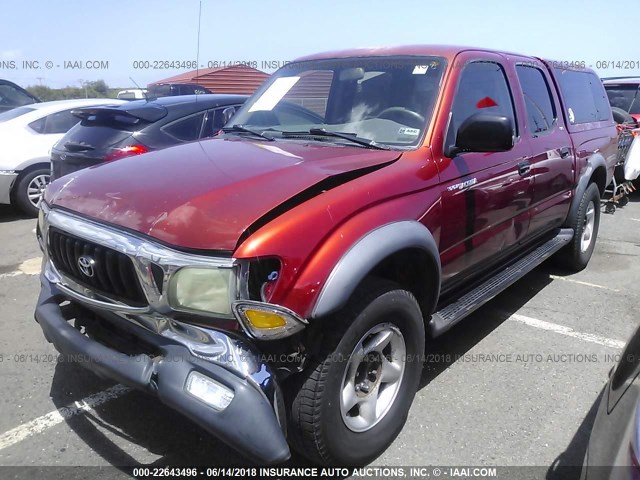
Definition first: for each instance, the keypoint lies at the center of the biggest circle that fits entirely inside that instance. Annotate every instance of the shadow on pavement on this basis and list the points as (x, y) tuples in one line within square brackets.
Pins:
[(568, 465), (470, 331), (9, 213)]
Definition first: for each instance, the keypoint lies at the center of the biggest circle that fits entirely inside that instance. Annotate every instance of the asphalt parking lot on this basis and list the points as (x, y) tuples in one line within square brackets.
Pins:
[(517, 383)]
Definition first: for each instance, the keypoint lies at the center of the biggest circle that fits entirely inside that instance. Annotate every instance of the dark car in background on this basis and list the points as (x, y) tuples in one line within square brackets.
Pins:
[(111, 133), (624, 97), (12, 96), (173, 89), (614, 447)]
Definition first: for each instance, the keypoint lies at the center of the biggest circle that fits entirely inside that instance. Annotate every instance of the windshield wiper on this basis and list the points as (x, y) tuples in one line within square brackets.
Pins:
[(352, 137), (243, 129)]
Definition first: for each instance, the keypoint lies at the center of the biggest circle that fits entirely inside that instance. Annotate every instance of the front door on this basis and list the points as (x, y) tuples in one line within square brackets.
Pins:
[(486, 196)]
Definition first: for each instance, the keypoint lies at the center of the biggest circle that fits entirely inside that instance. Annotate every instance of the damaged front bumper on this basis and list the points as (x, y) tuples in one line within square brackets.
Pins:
[(247, 408)]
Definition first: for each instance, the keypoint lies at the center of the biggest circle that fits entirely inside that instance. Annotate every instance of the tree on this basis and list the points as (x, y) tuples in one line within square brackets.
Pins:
[(99, 86), (94, 89)]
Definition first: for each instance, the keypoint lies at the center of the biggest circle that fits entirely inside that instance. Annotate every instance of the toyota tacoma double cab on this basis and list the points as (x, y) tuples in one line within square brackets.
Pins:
[(275, 284)]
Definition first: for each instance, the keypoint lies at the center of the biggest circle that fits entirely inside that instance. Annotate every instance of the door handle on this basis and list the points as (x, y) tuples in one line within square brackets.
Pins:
[(524, 168), (564, 152)]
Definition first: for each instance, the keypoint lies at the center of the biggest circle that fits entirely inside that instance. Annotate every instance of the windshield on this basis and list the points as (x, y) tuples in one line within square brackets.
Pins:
[(625, 97), (14, 113), (13, 96), (388, 100)]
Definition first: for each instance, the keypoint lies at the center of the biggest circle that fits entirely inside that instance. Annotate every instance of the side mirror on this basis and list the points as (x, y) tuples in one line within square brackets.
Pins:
[(227, 113), (483, 132), (351, 74)]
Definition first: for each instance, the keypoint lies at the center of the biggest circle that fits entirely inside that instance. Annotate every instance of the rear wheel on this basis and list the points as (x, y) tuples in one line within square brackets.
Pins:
[(353, 400), (585, 224), (29, 189)]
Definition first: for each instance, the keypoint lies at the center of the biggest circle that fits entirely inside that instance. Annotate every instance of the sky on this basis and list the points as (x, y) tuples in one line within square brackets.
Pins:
[(50, 43)]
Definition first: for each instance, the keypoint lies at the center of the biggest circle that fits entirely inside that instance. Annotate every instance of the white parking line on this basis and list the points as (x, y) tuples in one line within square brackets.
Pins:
[(28, 267), (569, 332), (52, 419), (586, 284)]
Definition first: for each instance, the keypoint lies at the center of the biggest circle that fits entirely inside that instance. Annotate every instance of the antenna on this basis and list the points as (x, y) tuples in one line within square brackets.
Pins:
[(144, 92), (198, 44)]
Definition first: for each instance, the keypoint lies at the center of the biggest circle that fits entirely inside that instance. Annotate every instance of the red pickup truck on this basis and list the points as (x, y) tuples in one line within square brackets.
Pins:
[(276, 283)]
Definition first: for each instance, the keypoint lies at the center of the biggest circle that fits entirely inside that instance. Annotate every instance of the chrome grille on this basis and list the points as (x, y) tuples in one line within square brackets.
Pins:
[(111, 273)]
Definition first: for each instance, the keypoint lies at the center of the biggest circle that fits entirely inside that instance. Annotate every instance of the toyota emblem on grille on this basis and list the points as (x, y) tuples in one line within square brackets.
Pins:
[(86, 264)]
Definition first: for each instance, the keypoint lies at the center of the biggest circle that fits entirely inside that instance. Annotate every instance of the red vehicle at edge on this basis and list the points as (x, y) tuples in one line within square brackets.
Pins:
[(624, 97), (295, 263)]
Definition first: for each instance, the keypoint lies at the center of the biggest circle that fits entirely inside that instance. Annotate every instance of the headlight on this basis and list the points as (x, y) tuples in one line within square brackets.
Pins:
[(202, 289)]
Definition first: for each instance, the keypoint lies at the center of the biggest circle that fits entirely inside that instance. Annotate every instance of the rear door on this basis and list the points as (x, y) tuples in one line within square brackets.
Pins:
[(486, 196), (552, 159)]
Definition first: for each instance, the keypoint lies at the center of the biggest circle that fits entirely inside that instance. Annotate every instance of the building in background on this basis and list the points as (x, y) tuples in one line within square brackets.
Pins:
[(234, 79)]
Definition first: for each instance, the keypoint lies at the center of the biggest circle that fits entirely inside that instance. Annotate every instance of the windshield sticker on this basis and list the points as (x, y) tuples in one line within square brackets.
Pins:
[(572, 117), (414, 132), (274, 94), (277, 150), (420, 69)]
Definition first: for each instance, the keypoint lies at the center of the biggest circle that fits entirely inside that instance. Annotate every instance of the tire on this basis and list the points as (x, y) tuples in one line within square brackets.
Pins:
[(25, 189), (585, 224), (320, 426), (621, 116)]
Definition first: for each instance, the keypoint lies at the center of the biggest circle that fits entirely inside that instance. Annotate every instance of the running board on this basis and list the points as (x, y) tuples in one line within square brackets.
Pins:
[(444, 319)]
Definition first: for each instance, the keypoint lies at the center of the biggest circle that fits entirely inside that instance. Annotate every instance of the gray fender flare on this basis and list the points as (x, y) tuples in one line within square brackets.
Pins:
[(365, 254), (594, 162)]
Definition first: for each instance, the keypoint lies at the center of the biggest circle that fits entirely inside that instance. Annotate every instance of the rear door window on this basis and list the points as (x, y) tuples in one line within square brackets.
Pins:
[(585, 100), (186, 129), (56, 123), (541, 113), (60, 122)]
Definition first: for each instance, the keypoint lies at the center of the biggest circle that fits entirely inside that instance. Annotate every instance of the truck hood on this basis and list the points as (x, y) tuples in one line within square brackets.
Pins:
[(205, 195)]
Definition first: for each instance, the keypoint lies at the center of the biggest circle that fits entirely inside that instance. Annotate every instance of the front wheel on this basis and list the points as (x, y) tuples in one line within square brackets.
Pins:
[(585, 224), (353, 400)]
